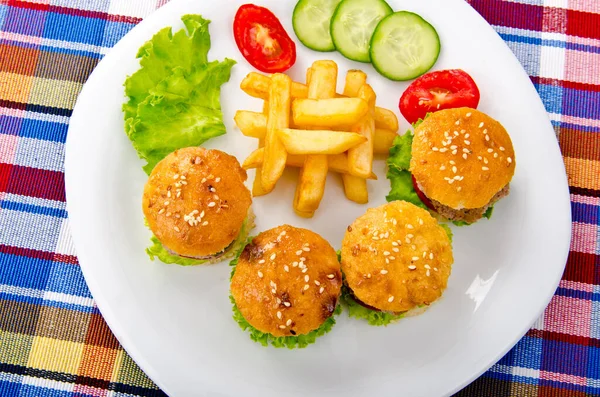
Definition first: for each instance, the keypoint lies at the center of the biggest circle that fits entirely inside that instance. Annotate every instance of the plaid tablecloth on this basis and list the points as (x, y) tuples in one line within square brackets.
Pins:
[(53, 340)]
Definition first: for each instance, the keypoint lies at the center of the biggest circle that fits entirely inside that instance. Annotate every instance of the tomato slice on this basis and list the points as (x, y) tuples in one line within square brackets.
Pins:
[(422, 196), (444, 89), (262, 40)]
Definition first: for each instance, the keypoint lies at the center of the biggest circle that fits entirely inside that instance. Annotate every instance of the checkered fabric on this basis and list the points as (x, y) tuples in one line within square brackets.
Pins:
[(53, 340)]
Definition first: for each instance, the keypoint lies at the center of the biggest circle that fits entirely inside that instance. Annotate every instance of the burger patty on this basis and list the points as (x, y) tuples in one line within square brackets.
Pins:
[(468, 215)]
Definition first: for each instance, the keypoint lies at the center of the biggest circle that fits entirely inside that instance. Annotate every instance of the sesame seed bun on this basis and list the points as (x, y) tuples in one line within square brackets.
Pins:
[(396, 257), (287, 281), (195, 201), (455, 164)]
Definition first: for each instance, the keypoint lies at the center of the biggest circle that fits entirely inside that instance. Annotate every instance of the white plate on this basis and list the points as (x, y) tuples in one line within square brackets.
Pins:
[(176, 321)]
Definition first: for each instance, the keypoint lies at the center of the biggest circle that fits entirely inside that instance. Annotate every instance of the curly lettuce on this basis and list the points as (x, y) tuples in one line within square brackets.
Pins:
[(174, 98), (373, 317), (266, 339)]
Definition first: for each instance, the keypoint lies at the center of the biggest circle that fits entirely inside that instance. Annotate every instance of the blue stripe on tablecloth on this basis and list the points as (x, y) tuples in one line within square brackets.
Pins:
[(538, 41), (81, 29), (45, 130), (585, 213), (33, 209), (16, 227)]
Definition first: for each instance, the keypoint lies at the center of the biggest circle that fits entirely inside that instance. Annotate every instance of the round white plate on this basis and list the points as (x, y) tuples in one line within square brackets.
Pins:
[(176, 321)]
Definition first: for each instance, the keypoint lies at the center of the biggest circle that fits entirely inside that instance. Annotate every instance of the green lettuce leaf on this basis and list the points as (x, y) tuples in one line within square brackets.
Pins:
[(373, 317), (265, 339), (400, 177), (447, 230), (488, 213), (174, 98)]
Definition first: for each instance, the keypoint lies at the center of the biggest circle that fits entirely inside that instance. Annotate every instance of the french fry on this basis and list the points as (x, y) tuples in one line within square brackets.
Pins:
[(319, 141), (354, 80), (383, 140), (278, 118), (360, 158), (251, 124), (337, 163), (266, 110), (257, 85), (328, 113), (257, 189), (355, 189)]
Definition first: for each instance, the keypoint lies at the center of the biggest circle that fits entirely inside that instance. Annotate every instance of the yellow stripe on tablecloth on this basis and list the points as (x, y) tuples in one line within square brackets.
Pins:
[(583, 173), (55, 355), (14, 348), (54, 93), (15, 87)]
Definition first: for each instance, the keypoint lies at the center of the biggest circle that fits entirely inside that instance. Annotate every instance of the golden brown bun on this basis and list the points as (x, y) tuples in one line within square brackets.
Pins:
[(269, 284), (393, 238), (205, 182), (489, 165)]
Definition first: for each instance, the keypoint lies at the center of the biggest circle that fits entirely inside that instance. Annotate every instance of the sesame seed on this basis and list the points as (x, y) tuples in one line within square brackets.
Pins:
[(162, 210), (331, 276), (454, 169), (420, 221), (391, 298), (459, 188), (452, 162), (485, 168), (287, 304), (299, 252), (454, 151), (295, 264), (272, 257), (453, 147), (424, 254), (435, 269), (490, 150), (442, 168), (288, 322), (457, 122), (302, 259), (282, 326), (169, 193), (211, 176), (468, 114), (260, 274), (215, 196), (428, 273), (467, 135), (409, 236), (395, 244), (278, 301), (495, 155), (487, 138), (306, 249), (383, 271), (481, 124), (467, 142), (272, 284), (435, 149), (386, 253), (279, 315), (387, 261), (456, 133), (415, 258), (203, 180), (485, 131), (409, 226), (465, 150), (167, 202), (501, 148), (394, 222), (306, 278), (204, 223), (431, 255), (176, 229), (304, 270), (442, 150), (306, 286), (183, 182), (509, 160), (375, 238), (427, 267), (392, 258), (451, 181), (273, 291), (321, 290), (191, 222), (218, 179), (464, 156), (178, 194), (261, 261), (412, 267), (395, 249), (317, 283), (485, 160), (211, 204), (413, 247), (302, 265), (286, 268), (407, 240)]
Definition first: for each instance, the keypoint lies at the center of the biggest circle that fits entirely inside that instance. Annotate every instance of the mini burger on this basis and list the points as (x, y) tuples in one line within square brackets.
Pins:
[(396, 259), (462, 163), (285, 287), (196, 204)]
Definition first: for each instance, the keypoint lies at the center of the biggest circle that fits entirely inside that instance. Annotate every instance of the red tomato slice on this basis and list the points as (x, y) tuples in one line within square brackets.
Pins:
[(262, 40), (444, 89), (422, 196)]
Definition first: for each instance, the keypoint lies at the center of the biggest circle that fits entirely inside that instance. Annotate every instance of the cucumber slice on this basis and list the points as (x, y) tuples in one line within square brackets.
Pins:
[(353, 24), (311, 21), (404, 46)]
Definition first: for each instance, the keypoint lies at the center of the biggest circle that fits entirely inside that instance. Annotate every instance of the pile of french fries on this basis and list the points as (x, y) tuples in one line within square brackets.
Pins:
[(312, 127)]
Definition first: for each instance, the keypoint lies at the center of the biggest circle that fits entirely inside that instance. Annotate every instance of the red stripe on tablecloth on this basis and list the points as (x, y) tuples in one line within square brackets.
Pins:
[(43, 255), (565, 84), (514, 15), (581, 267), (583, 24), (566, 338), (12, 105), (71, 11), (32, 182)]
